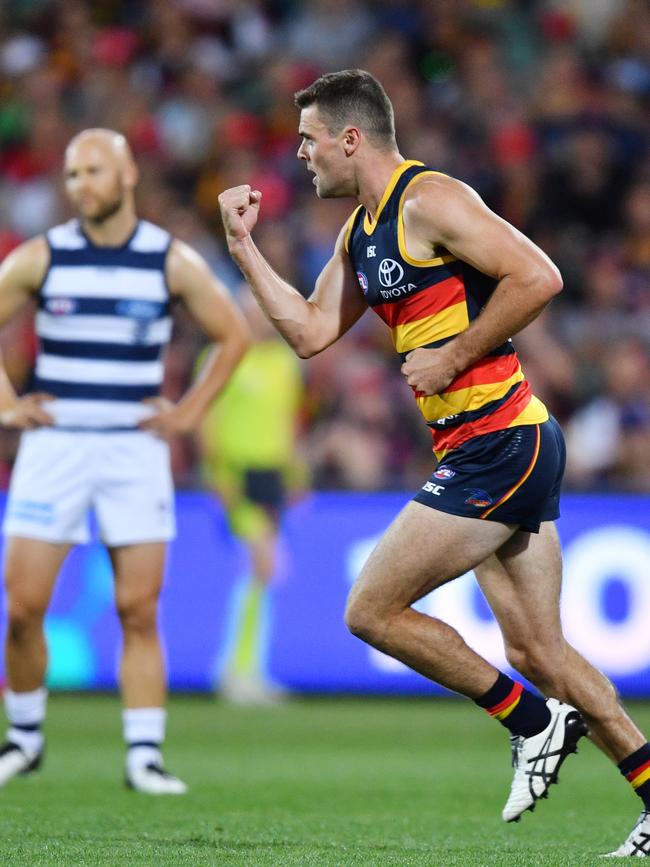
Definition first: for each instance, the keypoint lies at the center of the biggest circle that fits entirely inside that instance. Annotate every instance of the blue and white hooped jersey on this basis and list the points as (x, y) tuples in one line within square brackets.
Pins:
[(103, 324)]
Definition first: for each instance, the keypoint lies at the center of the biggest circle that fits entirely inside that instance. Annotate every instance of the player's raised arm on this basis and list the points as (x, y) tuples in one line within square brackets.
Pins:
[(190, 279), (21, 274), (444, 212), (308, 325)]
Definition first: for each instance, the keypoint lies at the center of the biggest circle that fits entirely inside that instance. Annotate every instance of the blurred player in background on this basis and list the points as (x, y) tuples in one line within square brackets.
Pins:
[(94, 435), (248, 444), (453, 281)]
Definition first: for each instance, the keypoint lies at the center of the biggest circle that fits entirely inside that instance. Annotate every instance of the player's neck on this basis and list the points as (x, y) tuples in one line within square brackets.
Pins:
[(374, 176), (115, 230)]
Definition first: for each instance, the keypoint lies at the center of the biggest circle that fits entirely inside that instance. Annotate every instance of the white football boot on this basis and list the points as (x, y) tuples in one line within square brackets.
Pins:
[(638, 843), (153, 779), (14, 760), (537, 759)]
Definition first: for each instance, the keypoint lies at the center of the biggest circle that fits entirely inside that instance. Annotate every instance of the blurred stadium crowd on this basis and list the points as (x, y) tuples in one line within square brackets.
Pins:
[(542, 106)]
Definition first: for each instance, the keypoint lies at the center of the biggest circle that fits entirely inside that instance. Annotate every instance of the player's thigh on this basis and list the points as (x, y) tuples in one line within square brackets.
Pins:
[(522, 584), (422, 549), (31, 567), (138, 575)]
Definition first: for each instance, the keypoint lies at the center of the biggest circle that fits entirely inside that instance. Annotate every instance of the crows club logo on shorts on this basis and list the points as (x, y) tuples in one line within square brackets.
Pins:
[(444, 473), (363, 282), (478, 498)]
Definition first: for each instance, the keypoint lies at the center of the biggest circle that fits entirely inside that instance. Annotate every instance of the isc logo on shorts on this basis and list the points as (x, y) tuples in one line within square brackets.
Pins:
[(430, 488)]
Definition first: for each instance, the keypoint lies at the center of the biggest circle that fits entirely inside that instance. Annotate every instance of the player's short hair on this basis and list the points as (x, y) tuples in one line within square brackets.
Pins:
[(352, 96)]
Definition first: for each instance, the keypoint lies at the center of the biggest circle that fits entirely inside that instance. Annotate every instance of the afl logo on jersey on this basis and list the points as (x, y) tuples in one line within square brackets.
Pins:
[(390, 272), (363, 282), (60, 306)]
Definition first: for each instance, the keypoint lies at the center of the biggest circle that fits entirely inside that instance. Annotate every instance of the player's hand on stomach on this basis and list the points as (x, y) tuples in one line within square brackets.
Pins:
[(27, 412), (429, 371), (240, 208), (168, 419)]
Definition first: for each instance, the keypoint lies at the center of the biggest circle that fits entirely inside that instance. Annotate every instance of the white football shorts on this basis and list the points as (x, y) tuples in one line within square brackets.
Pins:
[(60, 476)]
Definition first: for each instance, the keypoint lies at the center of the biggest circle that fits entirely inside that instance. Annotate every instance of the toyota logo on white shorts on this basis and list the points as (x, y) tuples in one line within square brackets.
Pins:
[(390, 272)]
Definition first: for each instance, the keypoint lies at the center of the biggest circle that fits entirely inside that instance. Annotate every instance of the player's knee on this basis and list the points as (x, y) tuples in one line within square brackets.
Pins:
[(23, 617), (537, 661), (363, 621), (138, 614)]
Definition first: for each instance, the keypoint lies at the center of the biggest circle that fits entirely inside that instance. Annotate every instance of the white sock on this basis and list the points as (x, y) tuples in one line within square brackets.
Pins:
[(144, 732), (26, 712)]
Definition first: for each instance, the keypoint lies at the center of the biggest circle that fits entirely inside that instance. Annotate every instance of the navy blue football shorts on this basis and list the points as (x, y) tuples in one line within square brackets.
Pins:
[(512, 476)]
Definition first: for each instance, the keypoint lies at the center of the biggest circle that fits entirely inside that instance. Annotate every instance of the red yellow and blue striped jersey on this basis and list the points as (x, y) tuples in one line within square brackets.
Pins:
[(428, 302)]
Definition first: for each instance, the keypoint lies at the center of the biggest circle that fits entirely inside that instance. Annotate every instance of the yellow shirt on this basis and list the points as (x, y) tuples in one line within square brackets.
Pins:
[(252, 423)]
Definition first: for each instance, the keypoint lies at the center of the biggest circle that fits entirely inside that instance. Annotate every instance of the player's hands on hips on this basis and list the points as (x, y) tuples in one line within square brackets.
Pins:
[(28, 412), (240, 207), (168, 419), (429, 371)]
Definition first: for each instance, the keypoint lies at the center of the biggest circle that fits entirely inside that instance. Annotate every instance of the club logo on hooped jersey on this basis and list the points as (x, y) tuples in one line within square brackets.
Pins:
[(143, 313), (138, 309), (390, 272), (478, 497), (444, 473), (363, 282)]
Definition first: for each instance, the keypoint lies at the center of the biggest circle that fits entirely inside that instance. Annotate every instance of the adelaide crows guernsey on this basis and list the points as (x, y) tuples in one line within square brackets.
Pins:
[(428, 302), (103, 323)]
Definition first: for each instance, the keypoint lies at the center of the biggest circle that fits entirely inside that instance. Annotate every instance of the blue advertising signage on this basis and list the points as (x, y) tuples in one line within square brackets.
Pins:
[(325, 541)]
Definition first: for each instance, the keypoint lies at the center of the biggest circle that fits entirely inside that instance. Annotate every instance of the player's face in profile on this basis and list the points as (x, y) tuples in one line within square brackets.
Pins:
[(324, 155), (93, 181)]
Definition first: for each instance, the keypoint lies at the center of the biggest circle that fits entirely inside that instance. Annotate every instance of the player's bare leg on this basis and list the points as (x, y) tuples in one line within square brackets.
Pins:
[(31, 568), (244, 681), (138, 573), (423, 549), (522, 584)]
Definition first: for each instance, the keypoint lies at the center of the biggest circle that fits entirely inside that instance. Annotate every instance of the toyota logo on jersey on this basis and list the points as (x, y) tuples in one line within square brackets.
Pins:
[(390, 272)]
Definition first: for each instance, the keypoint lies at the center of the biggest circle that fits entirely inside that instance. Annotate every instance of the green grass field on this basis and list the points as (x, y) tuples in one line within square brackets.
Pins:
[(318, 782)]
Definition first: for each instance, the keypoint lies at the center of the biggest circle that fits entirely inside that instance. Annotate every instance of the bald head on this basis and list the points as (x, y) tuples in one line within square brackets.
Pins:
[(100, 173), (112, 145)]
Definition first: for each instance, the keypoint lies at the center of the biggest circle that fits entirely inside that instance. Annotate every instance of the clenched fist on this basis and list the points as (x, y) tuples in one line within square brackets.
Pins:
[(429, 371), (240, 207)]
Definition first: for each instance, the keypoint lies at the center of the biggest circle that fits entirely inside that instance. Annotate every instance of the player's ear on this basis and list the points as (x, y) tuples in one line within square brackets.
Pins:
[(131, 174), (351, 140)]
